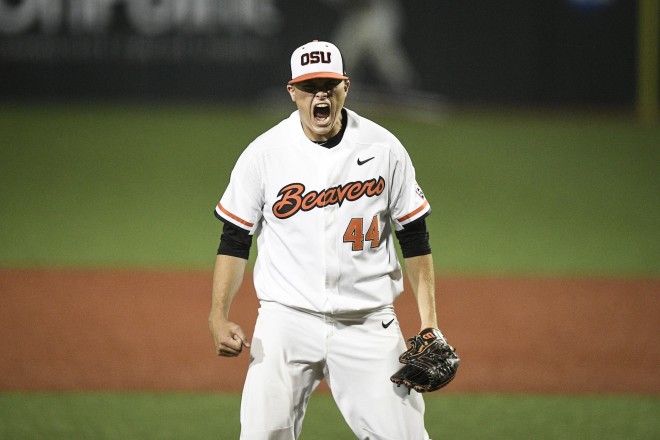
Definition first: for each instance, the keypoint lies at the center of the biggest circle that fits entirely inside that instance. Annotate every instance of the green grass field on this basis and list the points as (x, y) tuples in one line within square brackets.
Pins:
[(206, 416), (541, 193), (515, 193)]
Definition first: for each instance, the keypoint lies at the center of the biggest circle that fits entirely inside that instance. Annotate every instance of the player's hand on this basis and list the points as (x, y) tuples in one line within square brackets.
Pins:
[(228, 338)]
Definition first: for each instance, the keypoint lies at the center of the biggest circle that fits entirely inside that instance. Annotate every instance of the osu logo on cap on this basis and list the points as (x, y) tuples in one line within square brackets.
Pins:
[(315, 57)]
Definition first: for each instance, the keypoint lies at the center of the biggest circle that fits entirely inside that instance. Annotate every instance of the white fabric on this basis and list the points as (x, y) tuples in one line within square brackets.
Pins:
[(333, 252), (317, 59), (292, 351)]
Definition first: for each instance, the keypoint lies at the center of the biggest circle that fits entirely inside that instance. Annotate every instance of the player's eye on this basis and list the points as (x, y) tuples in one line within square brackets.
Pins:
[(318, 87), (307, 88)]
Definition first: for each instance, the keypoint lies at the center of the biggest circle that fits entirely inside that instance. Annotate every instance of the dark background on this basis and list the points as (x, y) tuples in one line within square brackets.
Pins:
[(546, 52)]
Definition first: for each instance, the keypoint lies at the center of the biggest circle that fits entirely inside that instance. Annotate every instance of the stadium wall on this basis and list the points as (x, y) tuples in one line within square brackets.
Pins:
[(574, 52)]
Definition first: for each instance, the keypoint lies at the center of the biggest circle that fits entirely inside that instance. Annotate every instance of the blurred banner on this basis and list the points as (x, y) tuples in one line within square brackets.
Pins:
[(547, 51)]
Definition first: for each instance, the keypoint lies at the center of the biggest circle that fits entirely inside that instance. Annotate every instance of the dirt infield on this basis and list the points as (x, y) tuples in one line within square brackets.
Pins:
[(147, 330)]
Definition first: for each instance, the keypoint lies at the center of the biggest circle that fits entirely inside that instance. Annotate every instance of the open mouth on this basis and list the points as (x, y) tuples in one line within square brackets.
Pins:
[(322, 113)]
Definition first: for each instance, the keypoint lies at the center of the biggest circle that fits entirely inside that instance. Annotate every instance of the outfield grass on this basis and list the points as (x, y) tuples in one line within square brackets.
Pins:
[(512, 193), (204, 416)]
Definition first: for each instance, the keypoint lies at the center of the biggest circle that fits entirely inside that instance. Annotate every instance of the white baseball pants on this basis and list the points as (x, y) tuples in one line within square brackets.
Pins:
[(292, 351)]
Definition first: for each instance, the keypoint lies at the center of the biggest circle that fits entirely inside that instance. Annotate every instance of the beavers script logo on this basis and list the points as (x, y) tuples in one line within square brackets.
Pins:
[(293, 198)]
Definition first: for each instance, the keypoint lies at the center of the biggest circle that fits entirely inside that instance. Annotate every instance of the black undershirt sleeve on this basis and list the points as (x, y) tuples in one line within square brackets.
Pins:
[(414, 239), (234, 241)]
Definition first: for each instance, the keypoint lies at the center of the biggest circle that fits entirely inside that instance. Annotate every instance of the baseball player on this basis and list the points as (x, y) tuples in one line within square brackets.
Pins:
[(324, 191)]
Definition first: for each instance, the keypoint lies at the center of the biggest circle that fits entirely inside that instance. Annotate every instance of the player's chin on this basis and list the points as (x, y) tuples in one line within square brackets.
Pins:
[(323, 124), (322, 127)]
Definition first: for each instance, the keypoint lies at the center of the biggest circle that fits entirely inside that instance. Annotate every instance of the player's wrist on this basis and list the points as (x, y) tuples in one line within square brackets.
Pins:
[(218, 316), (428, 321)]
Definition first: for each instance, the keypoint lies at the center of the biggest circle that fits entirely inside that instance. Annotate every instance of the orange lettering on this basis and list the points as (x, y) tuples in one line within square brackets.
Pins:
[(290, 200), (292, 197)]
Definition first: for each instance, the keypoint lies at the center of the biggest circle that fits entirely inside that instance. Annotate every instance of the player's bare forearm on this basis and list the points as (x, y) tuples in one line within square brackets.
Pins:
[(227, 279), (422, 280), (228, 337)]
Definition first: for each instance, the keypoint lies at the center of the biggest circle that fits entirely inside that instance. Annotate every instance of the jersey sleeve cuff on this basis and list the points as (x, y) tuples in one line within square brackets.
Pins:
[(226, 216), (422, 211)]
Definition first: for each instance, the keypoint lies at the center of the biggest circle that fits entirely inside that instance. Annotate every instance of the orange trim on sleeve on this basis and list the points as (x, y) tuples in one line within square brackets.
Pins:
[(414, 213), (234, 217)]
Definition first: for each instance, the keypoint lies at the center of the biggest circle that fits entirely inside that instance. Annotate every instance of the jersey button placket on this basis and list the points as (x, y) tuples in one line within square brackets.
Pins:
[(331, 256), (330, 244)]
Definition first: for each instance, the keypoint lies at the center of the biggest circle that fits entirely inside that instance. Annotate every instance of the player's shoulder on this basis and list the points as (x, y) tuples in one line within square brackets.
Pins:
[(364, 130), (273, 138)]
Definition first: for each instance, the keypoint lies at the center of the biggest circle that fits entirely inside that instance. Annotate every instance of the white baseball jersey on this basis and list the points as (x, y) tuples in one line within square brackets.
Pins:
[(323, 217)]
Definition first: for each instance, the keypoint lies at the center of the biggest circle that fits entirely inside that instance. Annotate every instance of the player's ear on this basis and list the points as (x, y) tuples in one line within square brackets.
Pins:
[(292, 92), (347, 85)]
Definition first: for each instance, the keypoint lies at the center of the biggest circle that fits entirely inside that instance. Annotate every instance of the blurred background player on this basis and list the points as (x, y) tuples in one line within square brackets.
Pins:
[(369, 34)]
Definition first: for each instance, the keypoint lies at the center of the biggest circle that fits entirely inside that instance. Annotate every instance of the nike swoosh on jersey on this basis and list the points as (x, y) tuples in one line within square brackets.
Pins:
[(362, 162), (388, 324)]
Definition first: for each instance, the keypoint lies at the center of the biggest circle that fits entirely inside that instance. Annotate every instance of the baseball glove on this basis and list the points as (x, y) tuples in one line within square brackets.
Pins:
[(429, 364)]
